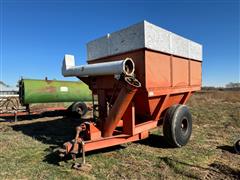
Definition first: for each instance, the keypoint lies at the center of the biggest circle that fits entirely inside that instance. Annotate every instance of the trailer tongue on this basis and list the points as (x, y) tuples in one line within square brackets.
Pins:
[(141, 76)]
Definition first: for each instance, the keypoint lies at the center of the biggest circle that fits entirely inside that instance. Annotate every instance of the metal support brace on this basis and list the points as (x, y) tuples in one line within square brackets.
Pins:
[(83, 153)]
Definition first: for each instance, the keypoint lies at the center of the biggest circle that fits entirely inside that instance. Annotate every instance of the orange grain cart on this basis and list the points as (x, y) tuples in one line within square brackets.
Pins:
[(141, 76)]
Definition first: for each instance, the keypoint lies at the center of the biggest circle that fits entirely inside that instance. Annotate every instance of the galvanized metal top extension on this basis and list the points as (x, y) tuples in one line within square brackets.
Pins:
[(143, 35)]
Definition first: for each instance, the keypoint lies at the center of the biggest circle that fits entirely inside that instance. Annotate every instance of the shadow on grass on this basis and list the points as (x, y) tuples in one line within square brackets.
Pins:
[(226, 170), (54, 132), (227, 148), (53, 157), (216, 169), (58, 131), (154, 140)]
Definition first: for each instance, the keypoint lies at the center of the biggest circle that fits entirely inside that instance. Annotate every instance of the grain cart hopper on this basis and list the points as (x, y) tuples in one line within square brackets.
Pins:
[(53, 91), (142, 76)]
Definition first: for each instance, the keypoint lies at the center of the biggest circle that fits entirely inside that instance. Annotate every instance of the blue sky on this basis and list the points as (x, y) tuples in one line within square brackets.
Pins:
[(36, 34)]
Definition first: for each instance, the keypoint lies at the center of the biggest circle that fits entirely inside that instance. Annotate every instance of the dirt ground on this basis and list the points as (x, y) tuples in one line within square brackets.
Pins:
[(27, 147)]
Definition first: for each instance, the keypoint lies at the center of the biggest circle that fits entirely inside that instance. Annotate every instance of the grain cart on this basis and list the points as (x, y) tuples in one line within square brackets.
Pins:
[(142, 76)]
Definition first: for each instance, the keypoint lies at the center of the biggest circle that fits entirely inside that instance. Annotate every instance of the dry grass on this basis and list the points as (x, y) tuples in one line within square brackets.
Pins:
[(26, 148)]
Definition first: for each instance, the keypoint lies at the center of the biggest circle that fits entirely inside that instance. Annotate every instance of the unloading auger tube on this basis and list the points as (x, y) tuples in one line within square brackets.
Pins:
[(125, 67), (77, 145)]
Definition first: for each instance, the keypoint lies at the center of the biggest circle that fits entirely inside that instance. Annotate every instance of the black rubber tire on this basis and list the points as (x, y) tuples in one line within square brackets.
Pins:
[(237, 146), (177, 125), (80, 108)]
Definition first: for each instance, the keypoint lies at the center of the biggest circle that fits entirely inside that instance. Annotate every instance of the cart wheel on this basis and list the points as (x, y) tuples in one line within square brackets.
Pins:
[(80, 108), (237, 146), (177, 125)]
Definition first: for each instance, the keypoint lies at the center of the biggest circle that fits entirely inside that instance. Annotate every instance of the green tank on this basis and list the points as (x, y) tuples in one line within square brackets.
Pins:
[(50, 91)]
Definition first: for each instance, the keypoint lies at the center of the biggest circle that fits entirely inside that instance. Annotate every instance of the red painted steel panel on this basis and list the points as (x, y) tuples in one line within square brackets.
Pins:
[(158, 72), (180, 70), (196, 73)]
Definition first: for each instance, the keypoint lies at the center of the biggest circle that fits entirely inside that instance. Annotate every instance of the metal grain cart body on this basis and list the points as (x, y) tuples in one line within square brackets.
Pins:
[(142, 76)]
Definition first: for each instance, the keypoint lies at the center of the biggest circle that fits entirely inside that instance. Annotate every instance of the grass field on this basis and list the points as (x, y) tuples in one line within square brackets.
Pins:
[(26, 147)]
